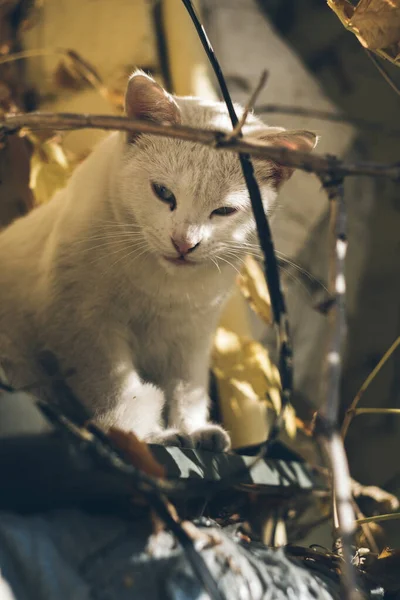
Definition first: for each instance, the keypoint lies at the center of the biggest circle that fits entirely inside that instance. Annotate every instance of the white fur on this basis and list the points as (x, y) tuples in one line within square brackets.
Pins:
[(84, 277)]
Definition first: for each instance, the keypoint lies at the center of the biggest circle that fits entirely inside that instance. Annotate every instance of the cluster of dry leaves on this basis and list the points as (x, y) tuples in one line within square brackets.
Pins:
[(376, 23)]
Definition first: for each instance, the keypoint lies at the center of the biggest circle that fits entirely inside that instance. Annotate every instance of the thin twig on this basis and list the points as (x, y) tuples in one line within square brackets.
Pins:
[(236, 131), (323, 115), (327, 422), (366, 528), (34, 53), (376, 411), (343, 508), (271, 269), (322, 165), (84, 68), (379, 518), (351, 411), (383, 72)]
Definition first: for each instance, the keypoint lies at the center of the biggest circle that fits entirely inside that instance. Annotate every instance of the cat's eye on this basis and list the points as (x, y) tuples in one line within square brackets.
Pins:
[(164, 194), (224, 211)]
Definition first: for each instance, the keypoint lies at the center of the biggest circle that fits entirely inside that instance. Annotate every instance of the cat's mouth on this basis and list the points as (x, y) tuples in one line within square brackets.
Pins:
[(179, 261)]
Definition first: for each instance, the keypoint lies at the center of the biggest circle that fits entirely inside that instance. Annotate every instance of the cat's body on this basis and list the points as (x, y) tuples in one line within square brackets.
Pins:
[(126, 288)]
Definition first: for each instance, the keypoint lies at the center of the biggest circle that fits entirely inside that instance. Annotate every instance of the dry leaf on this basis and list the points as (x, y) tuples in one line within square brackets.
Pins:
[(373, 500), (254, 288), (50, 168), (136, 451), (376, 23), (249, 388), (76, 73)]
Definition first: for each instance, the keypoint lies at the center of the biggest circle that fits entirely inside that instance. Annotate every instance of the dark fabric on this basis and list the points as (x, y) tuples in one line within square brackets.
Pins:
[(69, 555)]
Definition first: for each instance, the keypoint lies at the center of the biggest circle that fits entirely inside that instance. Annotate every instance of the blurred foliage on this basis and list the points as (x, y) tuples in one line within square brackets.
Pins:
[(50, 167)]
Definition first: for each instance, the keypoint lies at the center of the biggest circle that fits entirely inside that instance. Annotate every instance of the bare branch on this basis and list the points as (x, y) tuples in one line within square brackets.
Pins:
[(352, 411), (327, 422), (322, 165), (325, 115), (383, 72), (249, 106)]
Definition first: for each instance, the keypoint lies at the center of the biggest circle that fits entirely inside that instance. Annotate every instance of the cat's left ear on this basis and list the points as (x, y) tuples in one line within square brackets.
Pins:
[(146, 100), (304, 141)]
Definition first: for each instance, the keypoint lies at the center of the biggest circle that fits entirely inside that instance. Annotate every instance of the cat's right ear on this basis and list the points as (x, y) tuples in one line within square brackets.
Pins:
[(147, 100)]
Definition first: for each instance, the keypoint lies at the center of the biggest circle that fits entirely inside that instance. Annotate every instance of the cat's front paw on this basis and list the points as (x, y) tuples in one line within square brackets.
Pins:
[(171, 437), (211, 437)]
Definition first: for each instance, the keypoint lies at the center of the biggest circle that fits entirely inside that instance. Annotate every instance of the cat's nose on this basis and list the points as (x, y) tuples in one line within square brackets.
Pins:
[(183, 246)]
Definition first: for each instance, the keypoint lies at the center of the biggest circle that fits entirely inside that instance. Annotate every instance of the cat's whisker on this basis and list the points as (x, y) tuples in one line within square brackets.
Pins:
[(110, 244), (115, 229), (135, 247), (124, 243), (229, 263), (301, 270), (235, 256), (215, 263), (242, 254), (116, 224), (108, 232), (188, 299), (282, 258), (106, 236), (106, 240), (243, 250), (145, 251), (297, 280), (244, 245)]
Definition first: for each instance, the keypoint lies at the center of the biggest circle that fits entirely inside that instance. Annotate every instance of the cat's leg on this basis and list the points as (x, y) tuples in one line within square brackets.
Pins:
[(189, 411), (133, 405), (105, 380)]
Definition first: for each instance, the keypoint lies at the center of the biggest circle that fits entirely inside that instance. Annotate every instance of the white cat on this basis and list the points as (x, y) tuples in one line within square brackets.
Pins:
[(124, 273)]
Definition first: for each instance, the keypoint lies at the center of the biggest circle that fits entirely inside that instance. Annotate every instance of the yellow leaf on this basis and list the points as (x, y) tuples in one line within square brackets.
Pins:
[(50, 170), (254, 288), (249, 388)]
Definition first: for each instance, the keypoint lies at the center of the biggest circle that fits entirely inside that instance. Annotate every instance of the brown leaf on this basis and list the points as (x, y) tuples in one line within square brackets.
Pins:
[(136, 451), (69, 78), (376, 23), (76, 73)]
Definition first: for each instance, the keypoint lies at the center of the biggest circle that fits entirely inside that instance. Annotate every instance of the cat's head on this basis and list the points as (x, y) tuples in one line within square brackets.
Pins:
[(190, 201)]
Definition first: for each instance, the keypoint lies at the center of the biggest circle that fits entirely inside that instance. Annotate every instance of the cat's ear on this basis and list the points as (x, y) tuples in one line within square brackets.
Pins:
[(147, 100), (304, 141)]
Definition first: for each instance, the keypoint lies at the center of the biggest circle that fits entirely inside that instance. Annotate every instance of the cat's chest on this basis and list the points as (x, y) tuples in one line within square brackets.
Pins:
[(161, 344)]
